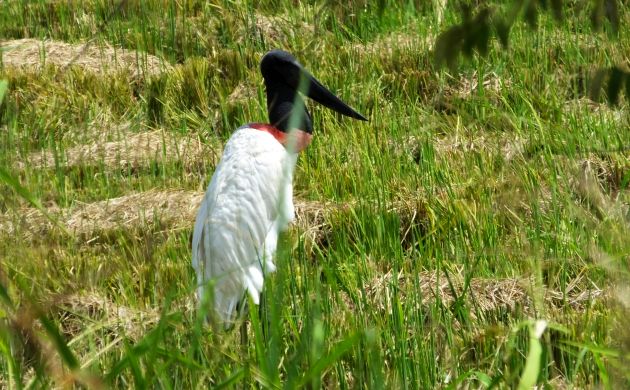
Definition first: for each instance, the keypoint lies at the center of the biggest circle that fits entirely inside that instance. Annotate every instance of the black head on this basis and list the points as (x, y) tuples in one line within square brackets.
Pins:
[(284, 77)]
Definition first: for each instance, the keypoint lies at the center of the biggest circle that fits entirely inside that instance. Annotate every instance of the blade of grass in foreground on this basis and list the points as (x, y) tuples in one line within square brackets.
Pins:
[(4, 86), (62, 347), (328, 360), (4, 295), (532, 366)]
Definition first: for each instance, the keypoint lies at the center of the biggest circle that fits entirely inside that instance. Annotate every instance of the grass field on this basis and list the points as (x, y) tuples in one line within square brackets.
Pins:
[(472, 234)]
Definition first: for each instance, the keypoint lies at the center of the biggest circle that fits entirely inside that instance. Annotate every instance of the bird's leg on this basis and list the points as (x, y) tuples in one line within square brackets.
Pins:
[(244, 352), (244, 339), (263, 316)]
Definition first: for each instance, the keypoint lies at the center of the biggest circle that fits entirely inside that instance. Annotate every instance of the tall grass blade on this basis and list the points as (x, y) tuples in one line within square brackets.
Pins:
[(529, 378), (60, 344), (4, 86), (328, 361)]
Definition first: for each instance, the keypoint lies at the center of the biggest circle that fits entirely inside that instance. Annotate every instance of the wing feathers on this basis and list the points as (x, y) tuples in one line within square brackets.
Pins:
[(247, 203)]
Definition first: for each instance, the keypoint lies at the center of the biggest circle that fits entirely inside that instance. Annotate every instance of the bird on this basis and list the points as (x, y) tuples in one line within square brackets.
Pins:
[(249, 200)]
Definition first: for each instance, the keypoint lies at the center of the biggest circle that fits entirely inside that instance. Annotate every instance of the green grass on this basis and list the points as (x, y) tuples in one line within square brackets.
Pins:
[(447, 191)]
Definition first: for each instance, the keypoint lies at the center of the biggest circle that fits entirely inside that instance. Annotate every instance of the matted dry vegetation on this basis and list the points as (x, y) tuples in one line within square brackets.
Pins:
[(596, 183), (585, 108), (165, 209), (169, 209), (460, 143), (98, 57), (454, 146), (487, 295), (243, 92), (274, 28), (468, 85), (388, 45), (73, 311), (130, 151)]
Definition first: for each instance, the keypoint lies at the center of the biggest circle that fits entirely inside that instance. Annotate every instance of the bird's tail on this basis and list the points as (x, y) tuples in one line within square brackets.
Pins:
[(230, 295)]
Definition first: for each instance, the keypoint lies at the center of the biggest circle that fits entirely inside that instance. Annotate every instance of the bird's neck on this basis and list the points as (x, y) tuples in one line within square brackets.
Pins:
[(295, 140)]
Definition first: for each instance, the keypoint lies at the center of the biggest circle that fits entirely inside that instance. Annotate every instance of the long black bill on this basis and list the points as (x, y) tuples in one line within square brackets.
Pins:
[(284, 75)]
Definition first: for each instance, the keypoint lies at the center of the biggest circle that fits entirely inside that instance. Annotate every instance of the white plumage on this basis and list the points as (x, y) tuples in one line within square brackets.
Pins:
[(249, 200), (247, 204)]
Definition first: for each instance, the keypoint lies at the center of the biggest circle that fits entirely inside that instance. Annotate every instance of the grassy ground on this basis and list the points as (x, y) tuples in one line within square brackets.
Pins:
[(430, 242)]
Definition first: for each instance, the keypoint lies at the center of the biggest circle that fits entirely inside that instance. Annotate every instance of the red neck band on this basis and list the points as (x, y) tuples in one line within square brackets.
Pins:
[(279, 135), (302, 138)]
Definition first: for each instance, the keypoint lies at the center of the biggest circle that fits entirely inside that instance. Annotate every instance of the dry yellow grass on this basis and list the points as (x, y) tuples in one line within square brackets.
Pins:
[(92, 56), (455, 145), (167, 209), (467, 85), (585, 108), (591, 176), (73, 310), (508, 146), (485, 294), (276, 28), (242, 93), (131, 151), (388, 45)]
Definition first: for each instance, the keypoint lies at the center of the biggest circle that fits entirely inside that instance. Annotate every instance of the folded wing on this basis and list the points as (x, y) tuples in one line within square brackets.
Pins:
[(248, 202)]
